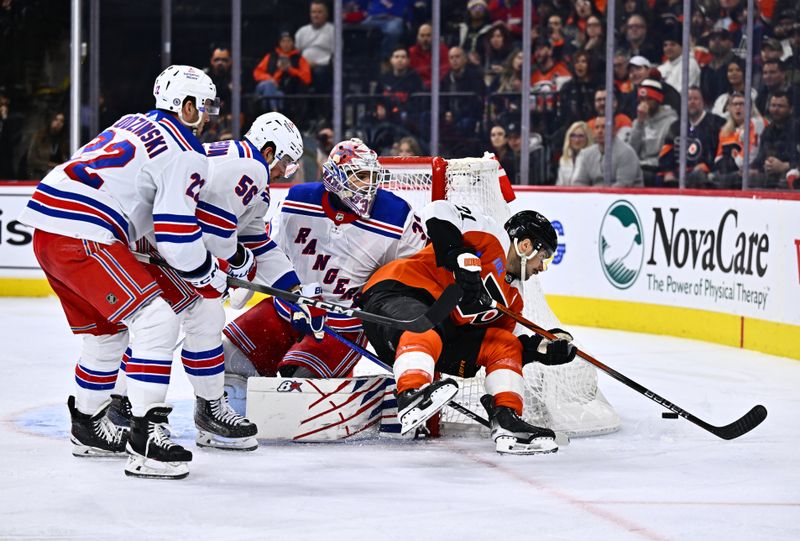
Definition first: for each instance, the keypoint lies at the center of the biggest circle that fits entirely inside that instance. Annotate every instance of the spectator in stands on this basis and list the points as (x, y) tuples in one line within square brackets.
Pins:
[(421, 55), (578, 93), (671, 69), (502, 151), (702, 140), (639, 68), (636, 41), (495, 52), (390, 17), (729, 159), (625, 169), (49, 147), (594, 41), (509, 82), (622, 75), (396, 87), (577, 138), (463, 77), (282, 71), (473, 33), (562, 48), (773, 79), (219, 127), (509, 13), (537, 164), (546, 68), (735, 84), (621, 120), (778, 151), (315, 41), (324, 146), (714, 75), (408, 146), (10, 138), (653, 120)]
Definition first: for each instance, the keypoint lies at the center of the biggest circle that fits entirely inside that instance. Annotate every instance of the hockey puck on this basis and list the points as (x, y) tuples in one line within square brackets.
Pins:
[(669, 415)]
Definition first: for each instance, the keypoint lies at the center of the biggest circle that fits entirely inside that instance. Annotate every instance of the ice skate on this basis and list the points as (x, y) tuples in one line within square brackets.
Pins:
[(94, 435), (513, 436), (220, 427), (119, 412), (150, 451), (415, 406)]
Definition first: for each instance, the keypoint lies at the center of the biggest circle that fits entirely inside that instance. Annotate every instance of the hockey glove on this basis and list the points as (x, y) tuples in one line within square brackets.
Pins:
[(541, 350), (466, 267), (243, 264), (213, 284), (309, 319)]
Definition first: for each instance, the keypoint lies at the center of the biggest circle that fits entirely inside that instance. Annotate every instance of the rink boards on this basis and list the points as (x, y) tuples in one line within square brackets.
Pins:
[(716, 266)]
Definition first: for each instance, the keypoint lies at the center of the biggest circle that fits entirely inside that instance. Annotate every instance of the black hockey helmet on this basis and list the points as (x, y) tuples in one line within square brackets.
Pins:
[(529, 224)]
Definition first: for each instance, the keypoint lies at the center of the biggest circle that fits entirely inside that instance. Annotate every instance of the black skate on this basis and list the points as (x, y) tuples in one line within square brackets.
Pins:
[(514, 436), (415, 406), (150, 451), (120, 412), (219, 426), (94, 435)]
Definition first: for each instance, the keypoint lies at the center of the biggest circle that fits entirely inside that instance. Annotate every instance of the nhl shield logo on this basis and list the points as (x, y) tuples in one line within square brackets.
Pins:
[(339, 216), (111, 298)]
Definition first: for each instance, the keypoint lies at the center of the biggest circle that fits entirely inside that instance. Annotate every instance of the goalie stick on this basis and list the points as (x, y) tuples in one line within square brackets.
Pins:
[(737, 428), (439, 310)]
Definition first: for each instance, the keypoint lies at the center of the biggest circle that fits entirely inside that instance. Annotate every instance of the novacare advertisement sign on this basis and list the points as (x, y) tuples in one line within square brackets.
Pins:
[(725, 254)]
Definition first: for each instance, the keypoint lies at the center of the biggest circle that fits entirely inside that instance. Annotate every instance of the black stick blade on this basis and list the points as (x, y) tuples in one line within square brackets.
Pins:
[(741, 426), (438, 311)]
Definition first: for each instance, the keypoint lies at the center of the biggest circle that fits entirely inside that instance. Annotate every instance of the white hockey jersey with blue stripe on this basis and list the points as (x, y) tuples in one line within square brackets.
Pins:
[(232, 207), (140, 176), (337, 248)]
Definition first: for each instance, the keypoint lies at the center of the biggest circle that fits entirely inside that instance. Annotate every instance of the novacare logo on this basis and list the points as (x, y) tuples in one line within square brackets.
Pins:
[(621, 246)]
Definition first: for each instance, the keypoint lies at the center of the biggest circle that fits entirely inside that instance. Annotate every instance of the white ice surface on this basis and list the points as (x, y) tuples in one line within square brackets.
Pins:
[(655, 479)]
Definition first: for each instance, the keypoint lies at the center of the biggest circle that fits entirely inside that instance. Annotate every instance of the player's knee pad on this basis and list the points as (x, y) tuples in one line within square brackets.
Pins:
[(203, 323), (500, 346), (103, 350), (154, 329), (236, 362), (428, 342)]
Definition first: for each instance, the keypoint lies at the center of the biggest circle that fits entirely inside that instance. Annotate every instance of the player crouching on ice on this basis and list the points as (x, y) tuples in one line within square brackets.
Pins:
[(472, 250)]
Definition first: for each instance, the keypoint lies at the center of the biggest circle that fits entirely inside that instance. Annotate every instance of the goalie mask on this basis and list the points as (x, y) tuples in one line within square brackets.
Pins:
[(529, 224), (353, 174), (176, 83)]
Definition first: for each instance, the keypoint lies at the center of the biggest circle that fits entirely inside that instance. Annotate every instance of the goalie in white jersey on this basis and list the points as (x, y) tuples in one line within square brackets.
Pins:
[(140, 176), (336, 232)]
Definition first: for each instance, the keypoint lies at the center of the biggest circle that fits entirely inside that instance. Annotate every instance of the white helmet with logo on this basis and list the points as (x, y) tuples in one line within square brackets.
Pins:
[(176, 83), (353, 173), (275, 128)]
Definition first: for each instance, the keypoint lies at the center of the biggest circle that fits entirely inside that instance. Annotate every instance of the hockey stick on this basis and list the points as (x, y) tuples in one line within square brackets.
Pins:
[(437, 312), (737, 428), (365, 353)]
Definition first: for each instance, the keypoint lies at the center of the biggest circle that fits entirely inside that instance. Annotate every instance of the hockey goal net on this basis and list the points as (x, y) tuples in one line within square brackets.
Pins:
[(565, 398)]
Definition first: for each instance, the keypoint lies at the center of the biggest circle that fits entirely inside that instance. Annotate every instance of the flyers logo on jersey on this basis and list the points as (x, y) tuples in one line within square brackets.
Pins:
[(487, 316)]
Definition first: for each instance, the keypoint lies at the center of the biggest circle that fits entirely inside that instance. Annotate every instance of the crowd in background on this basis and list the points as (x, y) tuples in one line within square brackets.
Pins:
[(387, 78)]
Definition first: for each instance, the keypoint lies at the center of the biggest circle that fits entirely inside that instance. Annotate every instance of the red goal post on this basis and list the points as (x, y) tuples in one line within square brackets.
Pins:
[(565, 398)]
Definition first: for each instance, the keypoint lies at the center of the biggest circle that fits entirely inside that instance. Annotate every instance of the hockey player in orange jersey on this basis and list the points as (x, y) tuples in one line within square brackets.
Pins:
[(472, 250)]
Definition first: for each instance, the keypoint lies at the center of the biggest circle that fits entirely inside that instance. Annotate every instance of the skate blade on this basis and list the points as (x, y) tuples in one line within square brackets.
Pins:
[(139, 466), (507, 445), (85, 451), (416, 416), (215, 441)]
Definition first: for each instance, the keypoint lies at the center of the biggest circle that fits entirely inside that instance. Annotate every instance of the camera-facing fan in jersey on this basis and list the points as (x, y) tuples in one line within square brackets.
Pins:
[(353, 174)]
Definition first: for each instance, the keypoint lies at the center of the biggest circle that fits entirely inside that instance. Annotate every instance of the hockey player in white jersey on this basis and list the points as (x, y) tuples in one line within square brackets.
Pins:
[(230, 211), (140, 175), (336, 232)]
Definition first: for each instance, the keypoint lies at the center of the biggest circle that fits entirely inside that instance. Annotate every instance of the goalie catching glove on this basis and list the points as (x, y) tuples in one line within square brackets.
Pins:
[(550, 352), (466, 268), (309, 319)]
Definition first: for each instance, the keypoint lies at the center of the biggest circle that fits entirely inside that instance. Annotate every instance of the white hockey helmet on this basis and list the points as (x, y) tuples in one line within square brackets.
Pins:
[(275, 128), (353, 174), (176, 83)]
